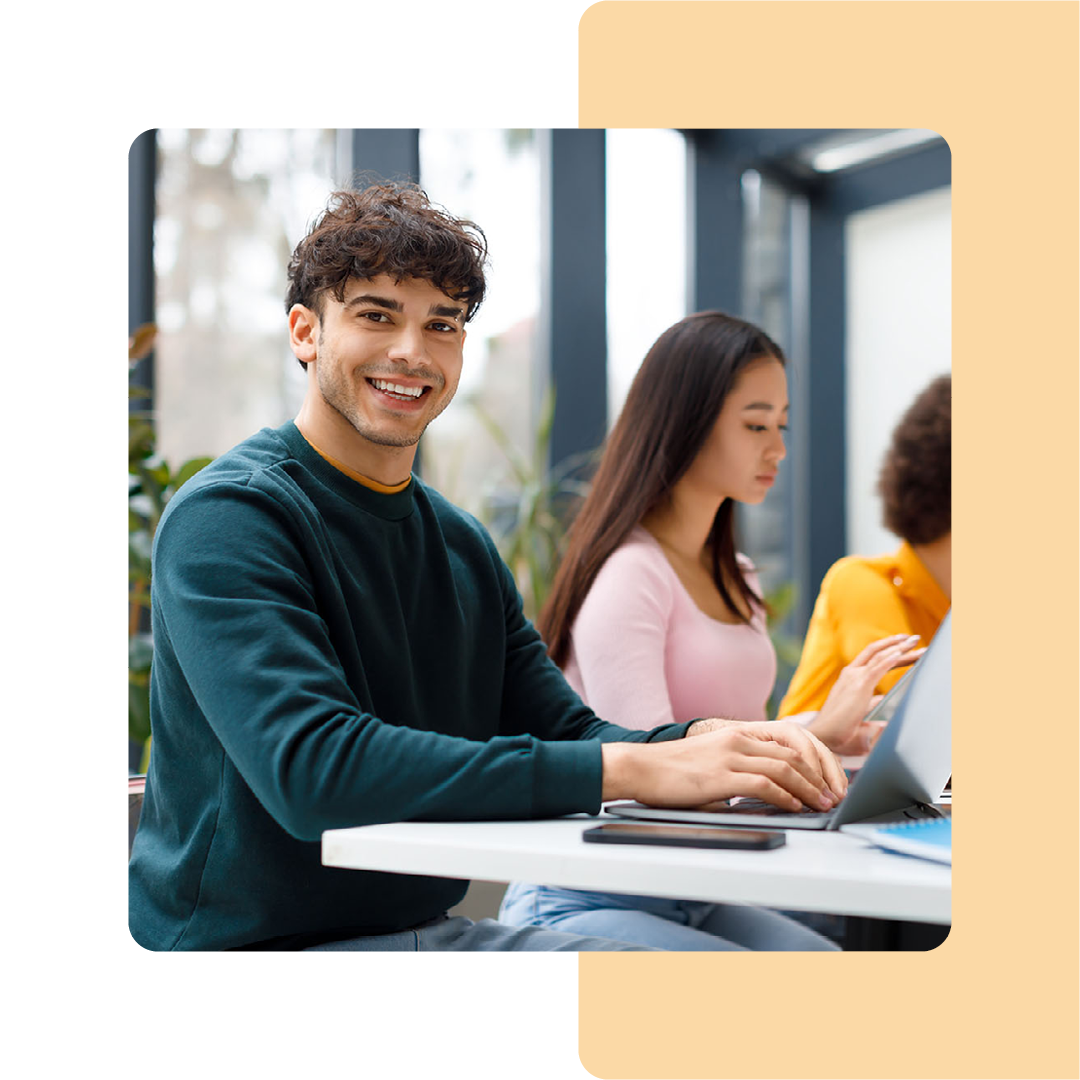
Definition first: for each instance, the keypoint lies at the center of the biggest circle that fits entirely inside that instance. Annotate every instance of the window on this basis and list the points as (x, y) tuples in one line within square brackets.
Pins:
[(646, 248), (766, 529), (231, 205), (490, 176)]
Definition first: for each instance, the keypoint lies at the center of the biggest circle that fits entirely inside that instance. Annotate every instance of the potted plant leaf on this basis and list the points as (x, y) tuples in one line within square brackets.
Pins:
[(151, 483)]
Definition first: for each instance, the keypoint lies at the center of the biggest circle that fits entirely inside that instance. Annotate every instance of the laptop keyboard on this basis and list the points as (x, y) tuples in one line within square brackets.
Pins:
[(758, 806)]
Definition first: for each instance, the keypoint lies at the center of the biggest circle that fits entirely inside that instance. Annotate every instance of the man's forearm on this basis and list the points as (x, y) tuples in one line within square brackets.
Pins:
[(619, 767), (627, 765), (623, 765), (713, 723)]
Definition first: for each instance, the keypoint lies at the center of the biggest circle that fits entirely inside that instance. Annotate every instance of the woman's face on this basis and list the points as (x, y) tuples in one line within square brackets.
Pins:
[(740, 458)]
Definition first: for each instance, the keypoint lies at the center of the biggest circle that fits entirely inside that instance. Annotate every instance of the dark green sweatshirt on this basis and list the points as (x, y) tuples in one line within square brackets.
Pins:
[(324, 656)]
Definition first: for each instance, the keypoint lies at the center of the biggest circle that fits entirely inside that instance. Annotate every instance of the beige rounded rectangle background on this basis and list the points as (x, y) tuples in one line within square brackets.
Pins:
[(999, 82)]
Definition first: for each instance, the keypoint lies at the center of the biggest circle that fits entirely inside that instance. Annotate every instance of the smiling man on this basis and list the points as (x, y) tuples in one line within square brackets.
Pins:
[(384, 362), (336, 644)]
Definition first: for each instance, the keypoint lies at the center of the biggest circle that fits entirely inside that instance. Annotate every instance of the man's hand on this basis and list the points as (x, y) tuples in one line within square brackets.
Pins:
[(840, 724), (777, 762)]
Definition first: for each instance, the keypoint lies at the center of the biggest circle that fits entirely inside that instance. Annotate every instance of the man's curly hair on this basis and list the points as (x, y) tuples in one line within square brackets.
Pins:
[(916, 475), (388, 228)]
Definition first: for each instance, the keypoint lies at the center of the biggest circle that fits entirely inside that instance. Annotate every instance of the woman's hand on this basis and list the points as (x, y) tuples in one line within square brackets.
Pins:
[(840, 724)]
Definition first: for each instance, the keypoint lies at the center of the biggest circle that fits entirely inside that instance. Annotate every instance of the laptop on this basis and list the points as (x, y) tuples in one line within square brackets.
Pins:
[(903, 775)]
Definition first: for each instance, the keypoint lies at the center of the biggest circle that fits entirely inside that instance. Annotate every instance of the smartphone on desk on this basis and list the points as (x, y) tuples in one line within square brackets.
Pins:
[(683, 836)]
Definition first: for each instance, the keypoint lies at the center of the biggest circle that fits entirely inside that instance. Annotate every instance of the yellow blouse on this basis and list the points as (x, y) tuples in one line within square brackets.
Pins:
[(861, 600)]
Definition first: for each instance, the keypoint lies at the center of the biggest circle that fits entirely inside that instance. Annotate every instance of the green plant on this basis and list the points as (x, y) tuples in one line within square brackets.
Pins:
[(528, 517), (781, 602), (151, 483)]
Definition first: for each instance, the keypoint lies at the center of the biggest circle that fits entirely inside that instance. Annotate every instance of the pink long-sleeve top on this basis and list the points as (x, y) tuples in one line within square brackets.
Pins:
[(643, 653)]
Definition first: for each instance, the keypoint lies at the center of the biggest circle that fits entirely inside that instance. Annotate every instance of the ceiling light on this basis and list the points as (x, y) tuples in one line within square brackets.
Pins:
[(835, 158)]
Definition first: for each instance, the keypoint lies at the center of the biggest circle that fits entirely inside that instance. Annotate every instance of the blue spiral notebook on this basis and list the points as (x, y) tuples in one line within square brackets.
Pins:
[(927, 839)]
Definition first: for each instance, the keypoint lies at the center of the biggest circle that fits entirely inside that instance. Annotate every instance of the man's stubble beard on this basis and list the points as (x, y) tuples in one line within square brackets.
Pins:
[(341, 397)]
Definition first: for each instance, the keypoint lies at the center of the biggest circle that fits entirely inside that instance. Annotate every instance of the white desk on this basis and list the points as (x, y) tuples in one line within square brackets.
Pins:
[(813, 871)]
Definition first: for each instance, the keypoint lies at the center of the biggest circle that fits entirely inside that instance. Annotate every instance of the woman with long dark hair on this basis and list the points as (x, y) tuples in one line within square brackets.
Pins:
[(654, 616)]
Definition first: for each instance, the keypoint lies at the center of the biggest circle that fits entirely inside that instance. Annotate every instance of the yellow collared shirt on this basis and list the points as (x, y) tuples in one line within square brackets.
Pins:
[(861, 600)]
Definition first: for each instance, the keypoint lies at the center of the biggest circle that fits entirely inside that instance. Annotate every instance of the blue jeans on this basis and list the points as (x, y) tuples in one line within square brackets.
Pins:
[(676, 925), (458, 934)]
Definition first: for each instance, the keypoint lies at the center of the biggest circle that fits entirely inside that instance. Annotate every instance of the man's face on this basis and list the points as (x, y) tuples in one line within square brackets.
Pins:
[(388, 358)]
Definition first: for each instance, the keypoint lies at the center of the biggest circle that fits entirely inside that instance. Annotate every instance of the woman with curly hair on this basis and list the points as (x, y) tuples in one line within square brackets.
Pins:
[(909, 591)]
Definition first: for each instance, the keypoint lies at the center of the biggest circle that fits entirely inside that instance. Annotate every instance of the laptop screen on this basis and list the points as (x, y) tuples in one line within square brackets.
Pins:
[(913, 757)]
